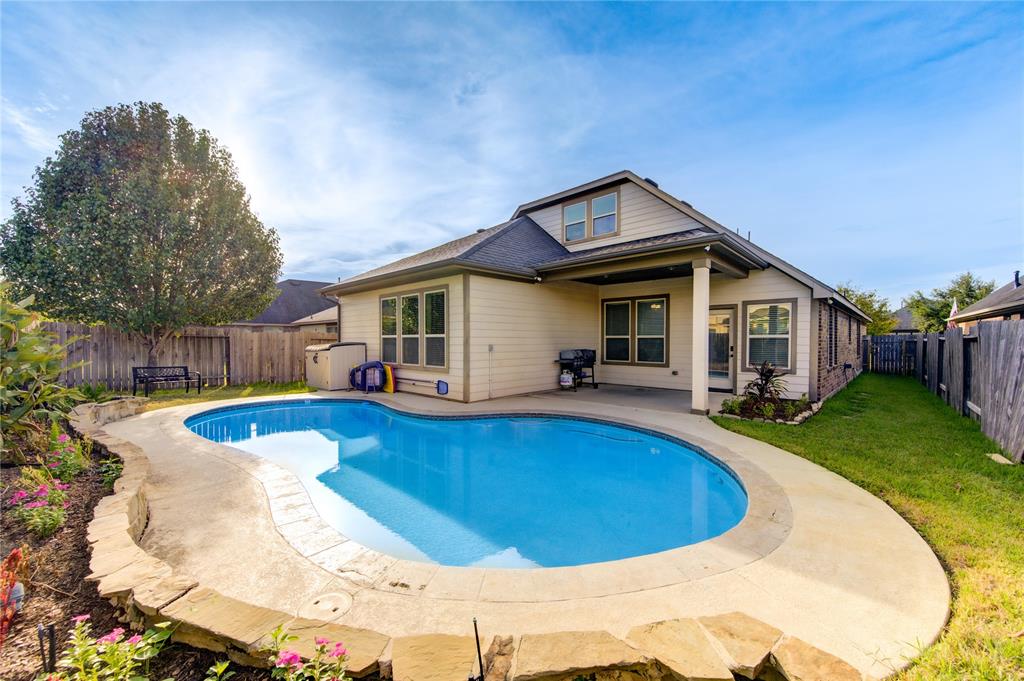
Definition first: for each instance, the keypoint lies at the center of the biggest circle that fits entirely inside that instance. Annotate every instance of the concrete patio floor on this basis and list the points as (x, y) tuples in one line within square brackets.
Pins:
[(635, 397), (817, 557)]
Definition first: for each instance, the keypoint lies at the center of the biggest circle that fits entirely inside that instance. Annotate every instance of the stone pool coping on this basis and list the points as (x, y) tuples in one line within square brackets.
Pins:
[(767, 522), (824, 596)]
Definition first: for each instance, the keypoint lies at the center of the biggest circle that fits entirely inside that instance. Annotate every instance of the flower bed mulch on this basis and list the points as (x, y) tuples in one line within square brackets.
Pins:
[(747, 410), (57, 591)]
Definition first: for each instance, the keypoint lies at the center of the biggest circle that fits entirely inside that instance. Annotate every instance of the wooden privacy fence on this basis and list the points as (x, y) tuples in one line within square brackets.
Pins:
[(222, 354), (980, 375)]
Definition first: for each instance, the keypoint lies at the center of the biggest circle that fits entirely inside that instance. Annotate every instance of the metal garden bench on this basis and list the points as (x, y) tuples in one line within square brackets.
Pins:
[(147, 376)]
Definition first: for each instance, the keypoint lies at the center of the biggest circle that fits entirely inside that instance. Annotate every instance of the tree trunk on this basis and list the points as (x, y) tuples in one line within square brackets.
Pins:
[(153, 341)]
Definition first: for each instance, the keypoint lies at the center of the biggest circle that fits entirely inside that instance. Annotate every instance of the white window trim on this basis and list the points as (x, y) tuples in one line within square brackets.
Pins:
[(788, 336), (594, 216), (383, 335), (662, 335), (419, 330), (628, 336), (584, 221), (444, 297)]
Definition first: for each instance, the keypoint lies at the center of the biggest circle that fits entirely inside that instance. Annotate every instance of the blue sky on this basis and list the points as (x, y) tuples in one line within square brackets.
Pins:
[(876, 143)]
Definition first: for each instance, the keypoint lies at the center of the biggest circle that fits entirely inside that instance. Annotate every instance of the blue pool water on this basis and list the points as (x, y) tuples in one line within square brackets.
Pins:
[(504, 491)]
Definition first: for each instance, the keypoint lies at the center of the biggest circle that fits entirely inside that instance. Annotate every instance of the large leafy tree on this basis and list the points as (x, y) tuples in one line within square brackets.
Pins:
[(883, 319), (139, 221), (931, 312)]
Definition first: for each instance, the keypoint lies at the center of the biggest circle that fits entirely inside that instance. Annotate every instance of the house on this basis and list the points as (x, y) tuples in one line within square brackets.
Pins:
[(325, 321), (668, 297), (1006, 302), (905, 322), (298, 298)]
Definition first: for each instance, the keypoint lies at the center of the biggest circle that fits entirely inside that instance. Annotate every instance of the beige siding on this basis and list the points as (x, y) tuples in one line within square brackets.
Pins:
[(642, 215), (360, 321), (769, 284), (517, 329)]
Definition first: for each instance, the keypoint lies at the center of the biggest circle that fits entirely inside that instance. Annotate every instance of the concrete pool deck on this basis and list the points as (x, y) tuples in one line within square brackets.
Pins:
[(817, 558)]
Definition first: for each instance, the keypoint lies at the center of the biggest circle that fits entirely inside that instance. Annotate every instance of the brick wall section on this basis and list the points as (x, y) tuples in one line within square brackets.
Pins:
[(831, 379)]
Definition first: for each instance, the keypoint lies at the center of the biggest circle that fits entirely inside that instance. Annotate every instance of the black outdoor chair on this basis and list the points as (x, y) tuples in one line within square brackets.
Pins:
[(147, 376)]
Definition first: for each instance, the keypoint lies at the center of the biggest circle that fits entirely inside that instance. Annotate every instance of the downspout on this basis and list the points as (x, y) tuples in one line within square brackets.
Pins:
[(812, 380), (337, 302)]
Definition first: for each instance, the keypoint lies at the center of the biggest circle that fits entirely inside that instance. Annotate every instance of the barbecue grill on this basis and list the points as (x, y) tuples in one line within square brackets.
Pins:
[(580, 364)]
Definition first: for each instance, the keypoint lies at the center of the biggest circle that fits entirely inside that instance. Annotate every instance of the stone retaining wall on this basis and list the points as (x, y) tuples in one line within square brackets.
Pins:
[(148, 590)]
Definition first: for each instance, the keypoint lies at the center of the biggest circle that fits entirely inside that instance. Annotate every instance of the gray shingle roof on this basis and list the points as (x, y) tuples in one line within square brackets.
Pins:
[(297, 298), (905, 320), (515, 246), (1003, 300)]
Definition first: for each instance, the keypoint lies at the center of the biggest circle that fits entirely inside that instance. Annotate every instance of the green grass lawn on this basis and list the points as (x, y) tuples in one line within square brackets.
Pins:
[(173, 398), (895, 439)]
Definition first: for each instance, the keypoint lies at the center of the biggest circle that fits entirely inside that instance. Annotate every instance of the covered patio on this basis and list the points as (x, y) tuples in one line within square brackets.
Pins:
[(672, 319), (634, 397)]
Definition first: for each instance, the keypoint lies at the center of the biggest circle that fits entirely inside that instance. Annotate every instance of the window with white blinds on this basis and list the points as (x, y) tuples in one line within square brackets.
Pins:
[(414, 328), (769, 333)]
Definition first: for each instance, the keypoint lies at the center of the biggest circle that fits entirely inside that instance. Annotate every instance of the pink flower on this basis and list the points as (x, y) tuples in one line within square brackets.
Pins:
[(62, 486), (63, 437), (134, 639), (288, 658), (43, 490), (339, 650), (17, 497), (53, 464), (65, 504), (112, 637), (321, 641), (78, 619), (36, 504)]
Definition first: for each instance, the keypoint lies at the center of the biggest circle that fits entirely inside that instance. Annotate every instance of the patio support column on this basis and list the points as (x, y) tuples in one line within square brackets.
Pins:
[(699, 364)]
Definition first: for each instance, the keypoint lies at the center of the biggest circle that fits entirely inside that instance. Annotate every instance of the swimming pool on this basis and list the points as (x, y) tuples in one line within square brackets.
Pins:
[(498, 491)]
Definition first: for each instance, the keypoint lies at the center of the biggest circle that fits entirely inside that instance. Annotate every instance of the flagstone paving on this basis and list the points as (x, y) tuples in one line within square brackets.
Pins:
[(228, 545)]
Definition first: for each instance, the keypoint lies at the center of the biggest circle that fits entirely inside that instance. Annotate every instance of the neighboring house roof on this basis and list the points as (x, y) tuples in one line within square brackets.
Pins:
[(520, 247), (1004, 300), (297, 298), (905, 320), (328, 316)]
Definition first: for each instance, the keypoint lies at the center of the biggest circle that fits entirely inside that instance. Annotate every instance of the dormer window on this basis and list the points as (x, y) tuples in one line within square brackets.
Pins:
[(605, 211), (592, 218), (575, 216)]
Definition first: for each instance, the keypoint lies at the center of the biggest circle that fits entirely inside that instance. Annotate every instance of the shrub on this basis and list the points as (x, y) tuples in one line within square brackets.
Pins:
[(43, 511), (66, 457), (731, 406), (32, 363), (768, 386), (765, 410), (328, 663), (95, 392), (110, 470), (111, 657)]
